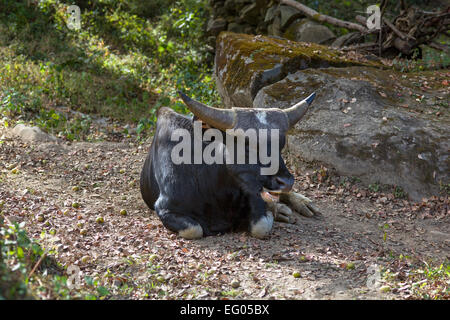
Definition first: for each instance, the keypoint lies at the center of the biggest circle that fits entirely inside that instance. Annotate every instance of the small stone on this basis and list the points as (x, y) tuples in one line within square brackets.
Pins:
[(350, 266), (385, 289), (235, 284)]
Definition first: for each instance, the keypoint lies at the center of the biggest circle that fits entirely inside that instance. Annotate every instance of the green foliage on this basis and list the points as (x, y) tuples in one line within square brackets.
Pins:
[(399, 192), (128, 58), (425, 280), (431, 60), (374, 187), (18, 256), (28, 271)]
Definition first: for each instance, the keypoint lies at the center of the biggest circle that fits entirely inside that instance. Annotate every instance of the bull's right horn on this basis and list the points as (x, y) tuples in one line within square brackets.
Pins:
[(217, 118), (296, 112)]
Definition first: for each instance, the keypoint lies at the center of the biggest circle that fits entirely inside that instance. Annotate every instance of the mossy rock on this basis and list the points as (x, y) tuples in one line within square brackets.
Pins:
[(244, 63)]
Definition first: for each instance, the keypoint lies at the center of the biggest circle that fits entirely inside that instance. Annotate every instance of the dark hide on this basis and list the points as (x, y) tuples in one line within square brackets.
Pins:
[(218, 197)]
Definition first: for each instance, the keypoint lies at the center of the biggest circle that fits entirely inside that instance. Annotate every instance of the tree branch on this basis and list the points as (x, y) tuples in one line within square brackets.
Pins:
[(396, 31), (322, 17)]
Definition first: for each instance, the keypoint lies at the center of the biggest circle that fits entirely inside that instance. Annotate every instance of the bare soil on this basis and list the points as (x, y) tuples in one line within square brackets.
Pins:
[(336, 257)]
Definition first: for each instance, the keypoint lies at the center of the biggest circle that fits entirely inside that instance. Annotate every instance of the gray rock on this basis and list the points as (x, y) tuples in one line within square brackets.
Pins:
[(250, 14), (236, 27), (274, 28), (216, 26), (245, 64), (305, 30), (288, 14), (346, 39), (271, 13), (220, 12), (230, 6), (370, 138), (32, 134)]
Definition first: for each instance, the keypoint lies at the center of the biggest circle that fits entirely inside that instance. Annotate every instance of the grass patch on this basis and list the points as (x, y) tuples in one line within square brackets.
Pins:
[(30, 271), (421, 280)]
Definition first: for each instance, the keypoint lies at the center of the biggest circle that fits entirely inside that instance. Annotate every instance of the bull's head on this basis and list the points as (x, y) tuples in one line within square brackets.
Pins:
[(239, 121)]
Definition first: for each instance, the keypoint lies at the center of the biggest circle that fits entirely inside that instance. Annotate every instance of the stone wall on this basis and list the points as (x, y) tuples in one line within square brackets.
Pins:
[(265, 17)]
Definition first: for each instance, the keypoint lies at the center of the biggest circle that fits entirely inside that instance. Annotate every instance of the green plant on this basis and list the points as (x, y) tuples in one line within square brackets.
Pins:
[(424, 280), (374, 187), (399, 192), (28, 270)]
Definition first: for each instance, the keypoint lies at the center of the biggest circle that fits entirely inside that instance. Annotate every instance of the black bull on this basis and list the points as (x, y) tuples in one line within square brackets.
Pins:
[(198, 200)]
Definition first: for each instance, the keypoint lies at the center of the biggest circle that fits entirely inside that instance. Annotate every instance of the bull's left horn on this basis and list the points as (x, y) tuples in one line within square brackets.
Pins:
[(297, 111), (218, 118)]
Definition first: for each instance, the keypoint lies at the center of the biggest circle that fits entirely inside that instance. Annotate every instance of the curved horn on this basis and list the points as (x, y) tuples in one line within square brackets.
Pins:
[(297, 111), (218, 118)]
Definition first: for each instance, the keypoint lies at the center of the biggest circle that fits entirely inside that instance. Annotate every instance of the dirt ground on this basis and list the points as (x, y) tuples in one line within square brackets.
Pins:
[(62, 189)]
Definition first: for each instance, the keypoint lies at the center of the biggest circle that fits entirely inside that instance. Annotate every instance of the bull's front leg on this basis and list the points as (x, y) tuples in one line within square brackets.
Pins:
[(280, 211), (301, 204), (289, 203), (261, 220)]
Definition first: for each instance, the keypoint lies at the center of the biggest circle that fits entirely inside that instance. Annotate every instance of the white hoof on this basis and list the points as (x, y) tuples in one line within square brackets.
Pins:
[(262, 228), (192, 232)]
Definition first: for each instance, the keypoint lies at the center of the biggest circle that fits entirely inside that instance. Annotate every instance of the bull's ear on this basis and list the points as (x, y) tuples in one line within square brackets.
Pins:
[(297, 111), (217, 118)]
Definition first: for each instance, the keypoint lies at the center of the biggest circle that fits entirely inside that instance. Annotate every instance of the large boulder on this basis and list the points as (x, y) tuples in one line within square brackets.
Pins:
[(365, 122), (288, 14), (353, 128), (306, 30), (244, 64)]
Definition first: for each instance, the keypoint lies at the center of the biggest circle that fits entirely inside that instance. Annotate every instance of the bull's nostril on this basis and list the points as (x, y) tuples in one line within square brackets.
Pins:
[(285, 185)]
